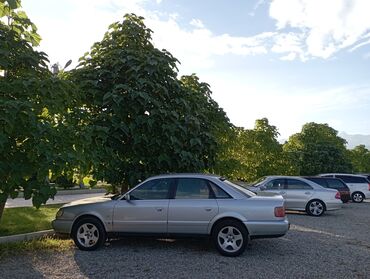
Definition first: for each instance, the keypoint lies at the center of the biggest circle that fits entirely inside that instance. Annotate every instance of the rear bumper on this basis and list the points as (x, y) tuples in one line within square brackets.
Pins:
[(62, 226), (367, 195), (334, 205), (267, 228)]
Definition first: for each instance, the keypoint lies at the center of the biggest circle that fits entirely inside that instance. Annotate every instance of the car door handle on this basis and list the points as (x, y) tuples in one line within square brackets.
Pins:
[(159, 209), (208, 209), (282, 192), (307, 193)]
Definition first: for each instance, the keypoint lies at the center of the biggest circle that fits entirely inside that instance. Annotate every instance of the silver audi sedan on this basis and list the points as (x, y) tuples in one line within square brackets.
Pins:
[(300, 193), (176, 205)]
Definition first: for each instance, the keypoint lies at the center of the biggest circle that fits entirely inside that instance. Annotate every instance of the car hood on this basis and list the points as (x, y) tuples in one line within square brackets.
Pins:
[(88, 201)]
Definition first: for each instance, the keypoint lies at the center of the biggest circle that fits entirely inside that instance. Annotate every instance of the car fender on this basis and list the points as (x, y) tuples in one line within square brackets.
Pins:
[(107, 226), (230, 214)]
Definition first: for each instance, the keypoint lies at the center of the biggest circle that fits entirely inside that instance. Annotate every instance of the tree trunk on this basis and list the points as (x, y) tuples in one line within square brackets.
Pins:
[(124, 188), (2, 205)]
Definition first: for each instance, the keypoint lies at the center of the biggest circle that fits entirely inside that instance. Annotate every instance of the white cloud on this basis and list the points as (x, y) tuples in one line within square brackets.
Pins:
[(323, 27), (290, 108), (197, 23)]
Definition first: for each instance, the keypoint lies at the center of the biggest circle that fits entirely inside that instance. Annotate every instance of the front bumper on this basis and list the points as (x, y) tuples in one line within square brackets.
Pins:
[(62, 226), (267, 228)]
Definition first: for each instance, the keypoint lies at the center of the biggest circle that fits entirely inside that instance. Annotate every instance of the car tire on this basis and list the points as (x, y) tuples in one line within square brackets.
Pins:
[(315, 208), (88, 234), (230, 238), (357, 197)]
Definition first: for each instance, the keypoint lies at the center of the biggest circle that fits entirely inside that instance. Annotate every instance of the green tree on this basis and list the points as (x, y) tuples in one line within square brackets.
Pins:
[(250, 154), (318, 149), (149, 121), (360, 158), (35, 109)]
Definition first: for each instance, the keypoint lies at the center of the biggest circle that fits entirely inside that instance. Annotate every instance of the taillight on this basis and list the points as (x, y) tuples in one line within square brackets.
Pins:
[(279, 211), (337, 195), (369, 186)]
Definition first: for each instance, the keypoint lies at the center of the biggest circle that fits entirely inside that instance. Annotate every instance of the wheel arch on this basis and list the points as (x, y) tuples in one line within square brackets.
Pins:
[(87, 215), (220, 219)]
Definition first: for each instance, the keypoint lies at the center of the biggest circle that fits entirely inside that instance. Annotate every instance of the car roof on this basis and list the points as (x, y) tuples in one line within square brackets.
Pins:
[(321, 177), (283, 176), (347, 174), (187, 175)]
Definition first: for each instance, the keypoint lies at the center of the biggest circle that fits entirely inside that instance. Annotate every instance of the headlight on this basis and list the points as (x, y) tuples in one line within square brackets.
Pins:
[(60, 213)]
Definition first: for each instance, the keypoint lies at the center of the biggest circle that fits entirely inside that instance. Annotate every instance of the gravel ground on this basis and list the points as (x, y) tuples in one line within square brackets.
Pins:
[(336, 245)]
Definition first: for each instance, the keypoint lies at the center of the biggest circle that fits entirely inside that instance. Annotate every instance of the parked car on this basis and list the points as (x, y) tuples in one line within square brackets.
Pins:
[(177, 205), (365, 174), (333, 183), (300, 194), (358, 185)]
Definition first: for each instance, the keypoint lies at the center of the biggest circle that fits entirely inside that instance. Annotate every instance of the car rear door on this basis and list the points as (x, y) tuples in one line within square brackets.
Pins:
[(147, 209), (298, 193), (192, 208)]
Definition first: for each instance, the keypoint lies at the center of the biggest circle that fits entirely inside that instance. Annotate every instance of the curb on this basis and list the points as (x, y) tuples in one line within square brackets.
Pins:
[(74, 192), (25, 236)]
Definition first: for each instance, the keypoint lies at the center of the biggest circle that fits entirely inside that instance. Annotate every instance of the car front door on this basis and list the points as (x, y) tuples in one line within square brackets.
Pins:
[(192, 207), (298, 193), (146, 210)]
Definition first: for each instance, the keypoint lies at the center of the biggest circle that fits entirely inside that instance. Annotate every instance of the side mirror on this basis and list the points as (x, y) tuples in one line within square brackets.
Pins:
[(262, 188), (127, 197)]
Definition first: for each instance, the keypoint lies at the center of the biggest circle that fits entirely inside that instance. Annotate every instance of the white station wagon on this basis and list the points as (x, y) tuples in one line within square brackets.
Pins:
[(359, 185), (177, 205)]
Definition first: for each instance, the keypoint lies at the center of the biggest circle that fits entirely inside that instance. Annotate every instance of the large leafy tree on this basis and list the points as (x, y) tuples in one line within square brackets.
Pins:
[(252, 153), (35, 109), (360, 158), (318, 149), (149, 121)]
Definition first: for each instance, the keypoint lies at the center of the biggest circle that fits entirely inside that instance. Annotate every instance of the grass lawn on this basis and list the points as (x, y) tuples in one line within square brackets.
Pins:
[(45, 244), (27, 219)]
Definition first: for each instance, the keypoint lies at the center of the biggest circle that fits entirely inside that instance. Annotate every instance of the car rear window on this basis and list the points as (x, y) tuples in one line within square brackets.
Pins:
[(352, 179), (336, 183), (240, 189), (318, 180)]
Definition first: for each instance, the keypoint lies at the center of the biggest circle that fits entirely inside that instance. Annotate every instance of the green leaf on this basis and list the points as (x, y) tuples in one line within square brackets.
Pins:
[(14, 4)]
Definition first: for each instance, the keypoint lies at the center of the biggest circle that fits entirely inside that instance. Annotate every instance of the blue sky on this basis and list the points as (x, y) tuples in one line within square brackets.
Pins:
[(292, 61)]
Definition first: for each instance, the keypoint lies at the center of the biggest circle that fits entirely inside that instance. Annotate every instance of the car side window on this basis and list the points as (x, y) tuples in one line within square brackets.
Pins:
[(219, 193), (295, 184), (352, 179), (157, 189), (192, 188), (320, 180), (276, 184)]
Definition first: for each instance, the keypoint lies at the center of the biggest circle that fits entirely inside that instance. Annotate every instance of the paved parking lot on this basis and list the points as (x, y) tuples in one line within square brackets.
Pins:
[(336, 245)]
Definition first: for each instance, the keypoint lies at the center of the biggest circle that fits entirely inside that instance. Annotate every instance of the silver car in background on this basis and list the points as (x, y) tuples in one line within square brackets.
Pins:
[(359, 185), (177, 205), (300, 194)]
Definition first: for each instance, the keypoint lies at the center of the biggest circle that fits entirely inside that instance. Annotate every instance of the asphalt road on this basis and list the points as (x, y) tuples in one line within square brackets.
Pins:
[(336, 245)]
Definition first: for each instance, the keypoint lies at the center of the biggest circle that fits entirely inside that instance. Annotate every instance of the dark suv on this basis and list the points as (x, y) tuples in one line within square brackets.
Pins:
[(333, 183)]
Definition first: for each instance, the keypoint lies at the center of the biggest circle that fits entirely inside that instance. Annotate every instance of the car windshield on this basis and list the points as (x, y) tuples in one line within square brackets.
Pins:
[(240, 189)]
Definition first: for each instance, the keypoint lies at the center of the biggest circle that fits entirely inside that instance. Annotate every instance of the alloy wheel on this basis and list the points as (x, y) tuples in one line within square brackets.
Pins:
[(357, 197), (316, 208), (230, 239), (87, 235)]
